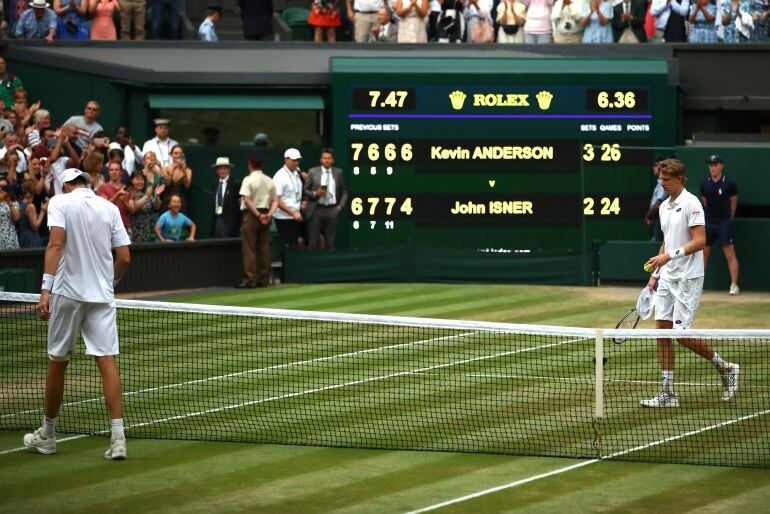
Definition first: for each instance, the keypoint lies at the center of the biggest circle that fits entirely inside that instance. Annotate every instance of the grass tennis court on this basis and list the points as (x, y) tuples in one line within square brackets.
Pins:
[(194, 476)]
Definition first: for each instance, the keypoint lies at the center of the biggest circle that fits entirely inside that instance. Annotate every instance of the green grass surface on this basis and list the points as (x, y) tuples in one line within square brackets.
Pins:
[(192, 476)]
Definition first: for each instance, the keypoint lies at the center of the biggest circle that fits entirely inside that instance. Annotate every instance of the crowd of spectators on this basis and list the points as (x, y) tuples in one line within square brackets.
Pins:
[(143, 182)]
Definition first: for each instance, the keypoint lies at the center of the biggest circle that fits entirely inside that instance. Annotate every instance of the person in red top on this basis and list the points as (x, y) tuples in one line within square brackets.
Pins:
[(115, 192), (325, 15), (102, 12)]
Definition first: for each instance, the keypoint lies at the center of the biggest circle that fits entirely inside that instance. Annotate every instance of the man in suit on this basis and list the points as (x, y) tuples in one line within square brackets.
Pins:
[(326, 195), (227, 201), (257, 19), (628, 21), (385, 31)]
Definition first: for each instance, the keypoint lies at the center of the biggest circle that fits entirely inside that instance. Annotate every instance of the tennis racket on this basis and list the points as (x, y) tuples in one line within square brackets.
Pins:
[(629, 320)]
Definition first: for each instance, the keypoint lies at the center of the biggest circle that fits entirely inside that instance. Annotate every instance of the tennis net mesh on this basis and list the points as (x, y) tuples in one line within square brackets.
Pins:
[(325, 379)]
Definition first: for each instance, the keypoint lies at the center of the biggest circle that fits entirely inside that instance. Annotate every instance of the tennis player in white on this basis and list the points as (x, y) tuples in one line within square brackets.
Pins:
[(679, 276), (77, 294)]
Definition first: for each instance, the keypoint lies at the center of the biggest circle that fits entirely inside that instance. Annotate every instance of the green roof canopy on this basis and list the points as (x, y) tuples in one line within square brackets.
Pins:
[(202, 101)]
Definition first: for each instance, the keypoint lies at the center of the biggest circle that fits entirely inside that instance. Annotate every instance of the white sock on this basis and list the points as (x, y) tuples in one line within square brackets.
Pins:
[(117, 428), (668, 381), (717, 361), (49, 426)]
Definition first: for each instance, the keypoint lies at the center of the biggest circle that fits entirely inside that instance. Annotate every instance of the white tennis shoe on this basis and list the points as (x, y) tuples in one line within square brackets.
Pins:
[(45, 445), (734, 290), (729, 375), (117, 450), (661, 400)]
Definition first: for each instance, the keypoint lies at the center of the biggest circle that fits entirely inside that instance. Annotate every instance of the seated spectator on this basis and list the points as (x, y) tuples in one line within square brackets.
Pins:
[(325, 17), (39, 22), (511, 16), (669, 20), (9, 215), (143, 207), (8, 84), (597, 18), (133, 14), (31, 218), (71, 19), (450, 27), (566, 18), (628, 21), (702, 16), (86, 125), (411, 28), (385, 31), (732, 11), (161, 7), (169, 226), (132, 154), (179, 176), (207, 31), (538, 28), (478, 15), (103, 26), (116, 193)]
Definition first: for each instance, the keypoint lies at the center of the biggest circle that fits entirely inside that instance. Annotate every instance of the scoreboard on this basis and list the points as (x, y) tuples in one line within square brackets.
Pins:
[(496, 156)]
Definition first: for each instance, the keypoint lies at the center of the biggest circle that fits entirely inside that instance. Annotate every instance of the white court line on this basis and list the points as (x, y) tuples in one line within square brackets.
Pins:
[(247, 372), (331, 387), (12, 450), (587, 463)]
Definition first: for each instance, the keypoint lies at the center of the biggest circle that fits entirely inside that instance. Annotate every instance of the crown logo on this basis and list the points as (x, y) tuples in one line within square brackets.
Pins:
[(544, 100), (458, 99)]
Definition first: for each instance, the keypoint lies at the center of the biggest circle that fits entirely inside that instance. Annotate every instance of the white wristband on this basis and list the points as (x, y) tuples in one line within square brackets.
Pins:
[(47, 282), (677, 254), (656, 273)]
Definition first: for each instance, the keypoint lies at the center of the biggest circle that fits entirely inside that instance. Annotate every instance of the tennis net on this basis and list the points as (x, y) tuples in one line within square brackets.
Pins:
[(310, 378)]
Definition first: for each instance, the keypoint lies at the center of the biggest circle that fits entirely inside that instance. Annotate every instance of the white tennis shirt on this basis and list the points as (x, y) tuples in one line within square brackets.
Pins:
[(288, 184), (676, 218), (92, 228)]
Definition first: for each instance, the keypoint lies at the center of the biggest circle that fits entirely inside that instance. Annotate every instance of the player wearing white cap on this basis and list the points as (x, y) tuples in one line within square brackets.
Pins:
[(77, 295), (680, 282)]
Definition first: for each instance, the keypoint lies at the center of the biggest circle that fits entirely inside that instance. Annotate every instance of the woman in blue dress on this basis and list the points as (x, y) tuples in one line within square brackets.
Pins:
[(596, 17), (760, 12), (731, 9), (702, 16), (71, 19)]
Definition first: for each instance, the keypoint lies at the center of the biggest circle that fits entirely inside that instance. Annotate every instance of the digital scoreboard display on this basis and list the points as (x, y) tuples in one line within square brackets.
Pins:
[(498, 156)]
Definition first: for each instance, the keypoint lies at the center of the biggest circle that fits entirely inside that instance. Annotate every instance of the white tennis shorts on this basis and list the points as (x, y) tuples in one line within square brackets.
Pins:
[(96, 322), (677, 301)]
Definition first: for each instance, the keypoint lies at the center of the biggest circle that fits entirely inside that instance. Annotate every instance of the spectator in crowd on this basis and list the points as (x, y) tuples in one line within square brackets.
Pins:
[(86, 125), (411, 28), (732, 20), (628, 21), (363, 15), (511, 16), (170, 9), (41, 121), (433, 16), (116, 155), (760, 13), (179, 176), (652, 218), (31, 218), (257, 19), (71, 19), (326, 196), (103, 26), (39, 22), (207, 30), (9, 215), (22, 108), (169, 226), (702, 16), (152, 172), (288, 185), (227, 200), (479, 21), (115, 192), (451, 23), (143, 207), (92, 164), (4, 27), (597, 16), (131, 153), (325, 16), (385, 31), (538, 28), (13, 119), (719, 195), (669, 20), (161, 144), (8, 84), (59, 161), (132, 17), (12, 151), (566, 16), (259, 202)]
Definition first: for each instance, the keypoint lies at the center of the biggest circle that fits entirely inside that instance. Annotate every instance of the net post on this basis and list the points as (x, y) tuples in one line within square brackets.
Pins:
[(599, 376)]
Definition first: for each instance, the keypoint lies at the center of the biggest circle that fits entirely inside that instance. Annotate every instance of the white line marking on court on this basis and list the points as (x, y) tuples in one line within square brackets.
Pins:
[(587, 463), (71, 438), (250, 371)]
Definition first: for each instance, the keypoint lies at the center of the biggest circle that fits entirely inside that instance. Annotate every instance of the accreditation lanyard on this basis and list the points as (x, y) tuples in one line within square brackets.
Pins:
[(296, 185)]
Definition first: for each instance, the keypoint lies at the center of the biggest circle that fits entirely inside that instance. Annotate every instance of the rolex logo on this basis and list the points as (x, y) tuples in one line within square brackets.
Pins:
[(544, 100), (458, 99)]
